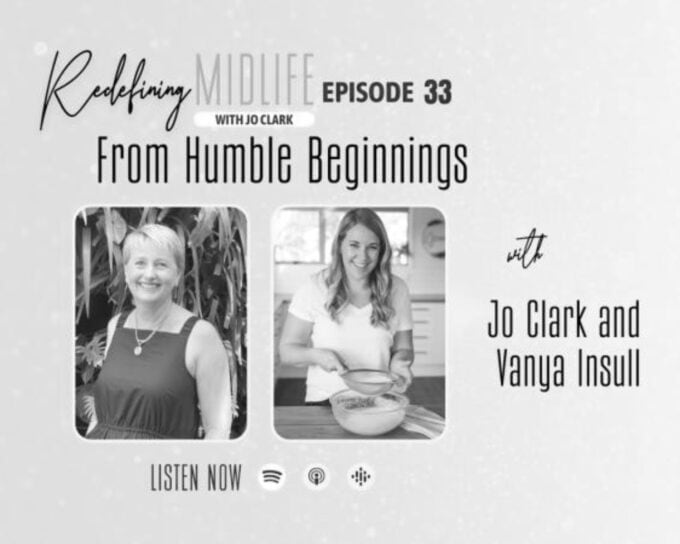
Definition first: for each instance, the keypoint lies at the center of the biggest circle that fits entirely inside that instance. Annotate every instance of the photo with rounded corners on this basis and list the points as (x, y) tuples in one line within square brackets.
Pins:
[(359, 323), (160, 323)]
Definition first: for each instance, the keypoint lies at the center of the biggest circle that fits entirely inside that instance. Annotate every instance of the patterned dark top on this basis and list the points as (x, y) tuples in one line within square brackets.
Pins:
[(149, 396)]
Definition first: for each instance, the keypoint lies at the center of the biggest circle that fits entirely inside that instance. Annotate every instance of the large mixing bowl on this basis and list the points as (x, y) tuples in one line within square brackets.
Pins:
[(368, 415)]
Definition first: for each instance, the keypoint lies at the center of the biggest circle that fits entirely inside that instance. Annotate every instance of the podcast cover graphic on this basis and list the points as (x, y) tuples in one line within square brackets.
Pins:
[(521, 159)]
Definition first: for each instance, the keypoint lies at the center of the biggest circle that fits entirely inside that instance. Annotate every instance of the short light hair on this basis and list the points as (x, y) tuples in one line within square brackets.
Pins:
[(159, 235)]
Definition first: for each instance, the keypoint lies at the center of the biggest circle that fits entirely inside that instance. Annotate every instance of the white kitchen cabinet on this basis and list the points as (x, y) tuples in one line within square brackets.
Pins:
[(429, 337)]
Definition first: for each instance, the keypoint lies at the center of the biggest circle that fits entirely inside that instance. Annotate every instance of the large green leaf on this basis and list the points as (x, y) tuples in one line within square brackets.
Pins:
[(87, 270), (204, 226), (108, 229)]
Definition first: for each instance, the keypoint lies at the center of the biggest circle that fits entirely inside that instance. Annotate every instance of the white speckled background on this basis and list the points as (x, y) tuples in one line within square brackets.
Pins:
[(570, 111)]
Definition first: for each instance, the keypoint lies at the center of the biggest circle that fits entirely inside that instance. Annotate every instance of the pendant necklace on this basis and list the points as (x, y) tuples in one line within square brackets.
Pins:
[(141, 341)]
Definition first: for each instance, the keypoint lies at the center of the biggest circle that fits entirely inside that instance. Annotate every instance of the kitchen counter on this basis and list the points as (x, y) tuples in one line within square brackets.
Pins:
[(429, 392), (317, 422)]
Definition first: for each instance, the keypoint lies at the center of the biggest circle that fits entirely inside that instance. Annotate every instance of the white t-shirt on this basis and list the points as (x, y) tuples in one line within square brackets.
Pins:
[(358, 343)]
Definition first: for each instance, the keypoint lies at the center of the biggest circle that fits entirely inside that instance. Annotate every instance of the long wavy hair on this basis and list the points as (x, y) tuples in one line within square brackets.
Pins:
[(380, 279)]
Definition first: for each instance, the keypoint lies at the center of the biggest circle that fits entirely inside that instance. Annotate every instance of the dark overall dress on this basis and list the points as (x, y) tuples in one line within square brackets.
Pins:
[(150, 396)]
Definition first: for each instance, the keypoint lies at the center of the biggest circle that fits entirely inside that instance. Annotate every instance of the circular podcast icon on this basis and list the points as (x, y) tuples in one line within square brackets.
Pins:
[(361, 476), (272, 477), (316, 477)]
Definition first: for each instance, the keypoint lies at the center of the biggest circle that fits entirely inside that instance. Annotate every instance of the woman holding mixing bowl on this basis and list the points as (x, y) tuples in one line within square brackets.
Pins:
[(166, 372), (352, 315)]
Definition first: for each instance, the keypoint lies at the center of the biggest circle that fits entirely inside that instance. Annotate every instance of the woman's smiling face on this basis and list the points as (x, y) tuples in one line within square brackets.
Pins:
[(360, 251), (151, 273)]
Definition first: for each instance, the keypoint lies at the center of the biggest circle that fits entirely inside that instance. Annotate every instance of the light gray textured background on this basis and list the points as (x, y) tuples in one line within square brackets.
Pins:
[(570, 111)]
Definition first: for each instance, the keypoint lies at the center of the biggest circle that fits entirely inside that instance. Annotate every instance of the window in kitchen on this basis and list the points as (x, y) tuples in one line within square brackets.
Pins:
[(305, 235)]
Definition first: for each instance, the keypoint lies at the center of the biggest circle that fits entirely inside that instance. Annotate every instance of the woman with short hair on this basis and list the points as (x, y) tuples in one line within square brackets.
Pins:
[(166, 371)]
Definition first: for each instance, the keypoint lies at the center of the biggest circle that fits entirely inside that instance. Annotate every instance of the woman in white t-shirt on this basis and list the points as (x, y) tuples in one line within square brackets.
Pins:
[(353, 314)]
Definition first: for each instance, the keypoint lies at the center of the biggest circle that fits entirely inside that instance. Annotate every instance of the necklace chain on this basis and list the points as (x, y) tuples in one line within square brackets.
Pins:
[(142, 341)]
